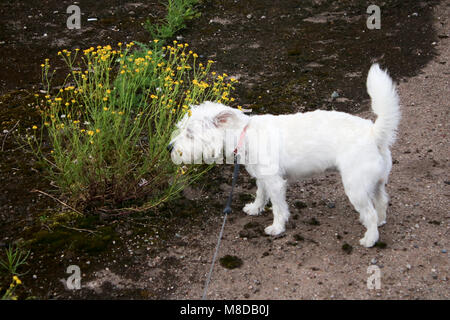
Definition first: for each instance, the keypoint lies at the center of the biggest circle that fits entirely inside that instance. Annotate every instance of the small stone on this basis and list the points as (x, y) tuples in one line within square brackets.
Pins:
[(249, 16), (408, 266), (374, 261), (334, 95)]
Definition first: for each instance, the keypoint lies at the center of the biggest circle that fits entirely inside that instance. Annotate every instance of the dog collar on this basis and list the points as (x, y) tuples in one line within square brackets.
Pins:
[(241, 140)]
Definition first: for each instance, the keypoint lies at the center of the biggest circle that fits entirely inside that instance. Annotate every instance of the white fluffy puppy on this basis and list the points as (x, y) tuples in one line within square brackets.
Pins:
[(301, 145)]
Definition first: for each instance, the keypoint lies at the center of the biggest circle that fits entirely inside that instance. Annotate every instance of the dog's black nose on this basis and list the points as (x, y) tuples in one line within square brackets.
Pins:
[(170, 147)]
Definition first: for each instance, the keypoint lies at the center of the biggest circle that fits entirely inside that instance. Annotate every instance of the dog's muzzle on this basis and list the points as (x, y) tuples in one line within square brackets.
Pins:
[(170, 147)]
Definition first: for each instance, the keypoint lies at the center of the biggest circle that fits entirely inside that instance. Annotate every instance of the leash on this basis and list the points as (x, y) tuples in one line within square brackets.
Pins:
[(226, 211)]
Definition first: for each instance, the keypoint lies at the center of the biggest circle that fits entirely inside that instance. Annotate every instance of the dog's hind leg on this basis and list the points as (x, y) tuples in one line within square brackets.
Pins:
[(367, 216), (275, 187), (359, 189), (257, 206), (380, 201)]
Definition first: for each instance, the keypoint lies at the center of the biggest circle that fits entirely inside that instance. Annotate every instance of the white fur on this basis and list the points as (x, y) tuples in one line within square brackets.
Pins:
[(309, 143)]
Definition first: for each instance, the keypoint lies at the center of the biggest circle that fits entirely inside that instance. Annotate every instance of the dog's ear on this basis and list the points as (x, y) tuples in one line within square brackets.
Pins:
[(225, 119)]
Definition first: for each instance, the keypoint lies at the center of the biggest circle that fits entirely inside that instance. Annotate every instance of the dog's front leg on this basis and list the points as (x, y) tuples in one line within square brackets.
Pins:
[(257, 206), (276, 190)]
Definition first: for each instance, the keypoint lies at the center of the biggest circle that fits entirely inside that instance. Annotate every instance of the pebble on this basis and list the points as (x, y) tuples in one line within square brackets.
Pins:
[(373, 261), (408, 266), (249, 16), (334, 95)]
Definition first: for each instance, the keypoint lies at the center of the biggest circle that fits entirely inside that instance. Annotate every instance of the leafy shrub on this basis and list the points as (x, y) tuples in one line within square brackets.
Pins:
[(104, 133)]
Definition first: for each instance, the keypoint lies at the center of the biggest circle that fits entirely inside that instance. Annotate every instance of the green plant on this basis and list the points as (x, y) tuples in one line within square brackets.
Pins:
[(108, 126), (178, 11), (15, 258)]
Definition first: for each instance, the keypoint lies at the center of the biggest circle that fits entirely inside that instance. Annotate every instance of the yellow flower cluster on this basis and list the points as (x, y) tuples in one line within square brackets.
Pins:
[(179, 78)]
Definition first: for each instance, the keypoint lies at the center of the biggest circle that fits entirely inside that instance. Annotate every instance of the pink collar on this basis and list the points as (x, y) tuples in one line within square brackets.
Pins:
[(241, 140)]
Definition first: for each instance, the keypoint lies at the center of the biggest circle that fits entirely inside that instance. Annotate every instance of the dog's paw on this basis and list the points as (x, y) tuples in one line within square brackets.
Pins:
[(274, 230), (369, 240), (251, 209)]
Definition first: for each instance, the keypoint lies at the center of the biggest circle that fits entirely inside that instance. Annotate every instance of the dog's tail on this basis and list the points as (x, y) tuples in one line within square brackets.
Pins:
[(385, 104)]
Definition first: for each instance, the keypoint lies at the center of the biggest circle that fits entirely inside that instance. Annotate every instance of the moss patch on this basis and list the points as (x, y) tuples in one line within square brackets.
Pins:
[(298, 237), (313, 222), (347, 248), (380, 245), (230, 262)]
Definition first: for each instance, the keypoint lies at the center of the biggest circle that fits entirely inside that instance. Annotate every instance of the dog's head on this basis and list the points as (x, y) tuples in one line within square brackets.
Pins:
[(203, 135)]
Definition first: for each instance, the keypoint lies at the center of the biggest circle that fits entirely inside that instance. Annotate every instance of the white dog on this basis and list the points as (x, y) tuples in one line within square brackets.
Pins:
[(305, 144)]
